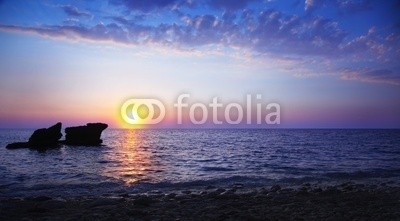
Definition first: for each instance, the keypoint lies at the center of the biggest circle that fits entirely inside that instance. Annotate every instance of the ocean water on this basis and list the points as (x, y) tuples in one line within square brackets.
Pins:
[(142, 160)]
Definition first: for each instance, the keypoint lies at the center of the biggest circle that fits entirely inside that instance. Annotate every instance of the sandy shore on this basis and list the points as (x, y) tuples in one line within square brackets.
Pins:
[(347, 201)]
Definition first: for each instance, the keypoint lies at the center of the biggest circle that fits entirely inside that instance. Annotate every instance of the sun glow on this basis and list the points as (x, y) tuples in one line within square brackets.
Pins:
[(132, 119)]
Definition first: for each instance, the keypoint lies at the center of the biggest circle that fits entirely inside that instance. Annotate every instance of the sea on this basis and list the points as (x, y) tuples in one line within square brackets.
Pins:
[(142, 160)]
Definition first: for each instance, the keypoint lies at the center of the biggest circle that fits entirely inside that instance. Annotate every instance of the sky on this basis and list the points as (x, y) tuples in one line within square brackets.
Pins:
[(328, 64)]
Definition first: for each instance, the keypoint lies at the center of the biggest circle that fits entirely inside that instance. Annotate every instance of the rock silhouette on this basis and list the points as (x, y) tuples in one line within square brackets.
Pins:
[(18, 145), (43, 138), (46, 138), (85, 135)]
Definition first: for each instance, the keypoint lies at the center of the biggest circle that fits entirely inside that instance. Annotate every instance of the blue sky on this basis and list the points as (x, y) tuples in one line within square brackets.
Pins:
[(327, 63)]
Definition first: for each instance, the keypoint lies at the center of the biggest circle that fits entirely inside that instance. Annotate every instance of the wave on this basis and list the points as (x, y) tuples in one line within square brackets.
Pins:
[(217, 169)]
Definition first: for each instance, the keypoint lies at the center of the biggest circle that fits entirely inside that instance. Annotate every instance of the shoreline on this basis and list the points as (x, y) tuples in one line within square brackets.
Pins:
[(345, 201)]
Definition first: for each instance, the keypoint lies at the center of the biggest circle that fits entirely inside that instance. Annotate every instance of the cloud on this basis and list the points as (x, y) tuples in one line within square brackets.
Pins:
[(147, 6), (284, 34), (372, 75), (99, 32), (74, 11), (353, 5), (266, 33), (229, 5), (311, 4), (126, 22), (370, 44), (343, 6)]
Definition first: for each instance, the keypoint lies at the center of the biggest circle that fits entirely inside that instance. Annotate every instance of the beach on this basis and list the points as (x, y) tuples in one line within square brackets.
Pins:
[(346, 201)]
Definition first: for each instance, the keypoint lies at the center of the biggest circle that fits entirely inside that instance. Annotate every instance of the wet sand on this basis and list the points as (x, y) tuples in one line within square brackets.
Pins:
[(347, 201)]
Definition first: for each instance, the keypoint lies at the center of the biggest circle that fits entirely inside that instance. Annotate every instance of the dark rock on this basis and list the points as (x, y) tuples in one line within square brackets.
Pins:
[(302, 191), (101, 202), (228, 192), (210, 187), (220, 190), (46, 136), (171, 195), (41, 198), (217, 192), (37, 210), (186, 192), (53, 204), (275, 188), (41, 139), (17, 145), (143, 201), (317, 190), (238, 185), (85, 135)]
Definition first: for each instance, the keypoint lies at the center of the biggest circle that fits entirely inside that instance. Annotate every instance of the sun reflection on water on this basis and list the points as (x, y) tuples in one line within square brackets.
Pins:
[(131, 158)]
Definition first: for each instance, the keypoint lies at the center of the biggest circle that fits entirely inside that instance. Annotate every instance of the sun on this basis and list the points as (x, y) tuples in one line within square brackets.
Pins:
[(130, 118)]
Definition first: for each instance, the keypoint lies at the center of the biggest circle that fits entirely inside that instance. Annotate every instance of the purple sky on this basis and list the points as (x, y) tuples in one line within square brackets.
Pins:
[(326, 63)]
